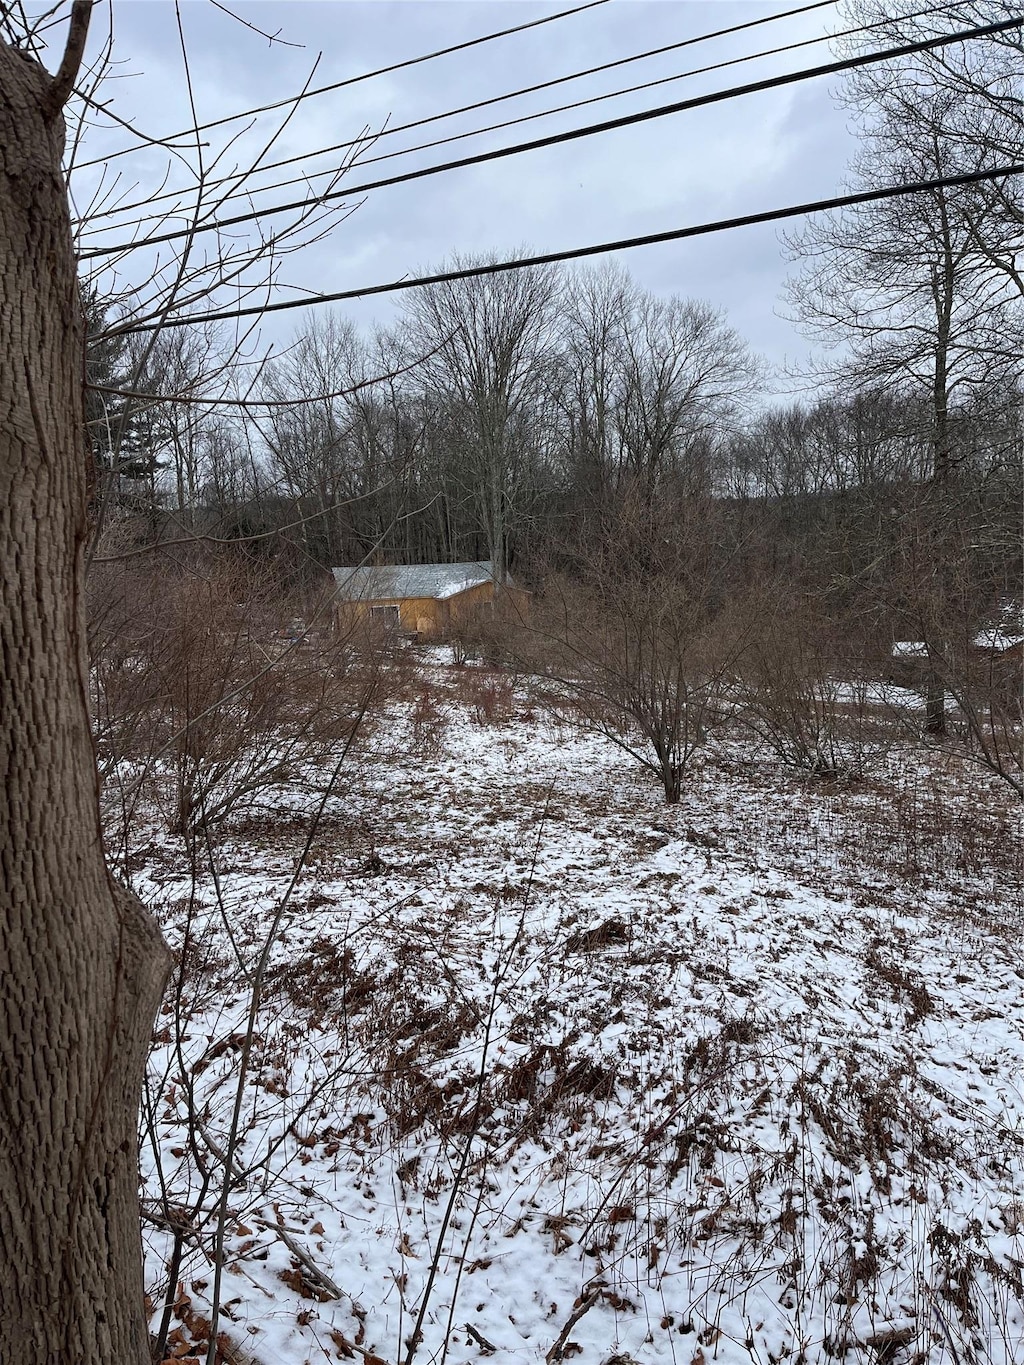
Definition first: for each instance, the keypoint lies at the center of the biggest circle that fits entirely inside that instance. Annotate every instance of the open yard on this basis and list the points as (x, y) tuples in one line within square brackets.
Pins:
[(541, 1067)]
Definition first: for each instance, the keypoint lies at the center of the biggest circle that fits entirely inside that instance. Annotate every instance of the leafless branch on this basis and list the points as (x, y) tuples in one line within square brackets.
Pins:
[(64, 81)]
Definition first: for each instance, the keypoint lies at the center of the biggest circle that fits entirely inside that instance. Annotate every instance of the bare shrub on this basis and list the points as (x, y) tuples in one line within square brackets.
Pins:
[(981, 680), (430, 721), (462, 650), (491, 632), (799, 693), (489, 696), (639, 643), (125, 697), (642, 669), (212, 688), (958, 602), (985, 681)]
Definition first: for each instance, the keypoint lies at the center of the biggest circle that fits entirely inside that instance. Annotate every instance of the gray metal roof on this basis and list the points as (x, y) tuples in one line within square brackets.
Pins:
[(388, 582)]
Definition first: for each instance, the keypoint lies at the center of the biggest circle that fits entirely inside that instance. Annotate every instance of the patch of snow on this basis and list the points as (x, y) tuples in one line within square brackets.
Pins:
[(737, 1080)]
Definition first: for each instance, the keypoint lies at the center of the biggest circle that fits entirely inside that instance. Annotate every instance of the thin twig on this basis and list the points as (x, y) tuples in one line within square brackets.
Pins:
[(584, 1306), (319, 1277), (486, 1346)]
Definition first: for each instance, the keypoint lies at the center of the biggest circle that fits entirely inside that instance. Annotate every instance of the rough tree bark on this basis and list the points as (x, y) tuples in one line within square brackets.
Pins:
[(81, 963)]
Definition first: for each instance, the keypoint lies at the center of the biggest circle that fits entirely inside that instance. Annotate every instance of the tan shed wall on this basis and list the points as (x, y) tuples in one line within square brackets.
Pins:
[(414, 613), (463, 604), (421, 615), (430, 617)]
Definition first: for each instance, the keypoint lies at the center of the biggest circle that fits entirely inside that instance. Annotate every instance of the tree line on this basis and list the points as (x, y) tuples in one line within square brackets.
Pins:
[(575, 429), (522, 416), (596, 391)]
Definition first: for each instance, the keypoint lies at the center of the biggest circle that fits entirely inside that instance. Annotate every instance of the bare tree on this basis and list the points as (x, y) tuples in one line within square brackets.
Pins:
[(81, 963), (900, 288), (974, 609), (685, 376), (807, 452), (646, 390), (346, 451), (181, 362), (587, 387), (489, 336), (982, 87)]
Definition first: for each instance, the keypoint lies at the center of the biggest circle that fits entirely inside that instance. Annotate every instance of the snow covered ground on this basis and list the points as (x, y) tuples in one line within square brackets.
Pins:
[(544, 1068)]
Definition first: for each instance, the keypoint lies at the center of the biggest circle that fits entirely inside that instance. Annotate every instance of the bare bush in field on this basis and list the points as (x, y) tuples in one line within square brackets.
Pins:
[(955, 604), (641, 668), (207, 689), (641, 643), (801, 694), (492, 632), (980, 674), (988, 689), (124, 607)]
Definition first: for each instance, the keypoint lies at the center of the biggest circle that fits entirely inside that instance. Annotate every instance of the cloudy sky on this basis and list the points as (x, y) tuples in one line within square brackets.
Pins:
[(752, 153)]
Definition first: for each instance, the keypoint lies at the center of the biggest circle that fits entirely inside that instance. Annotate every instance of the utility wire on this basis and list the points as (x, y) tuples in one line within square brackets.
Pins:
[(248, 189), (370, 75), (546, 85), (574, 134), (578, 253)]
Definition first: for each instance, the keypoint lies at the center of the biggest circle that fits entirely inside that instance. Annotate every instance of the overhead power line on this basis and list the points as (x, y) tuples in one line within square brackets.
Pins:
[(370, 75), (533, 89), (247, 190), (574, 134), (579, 253)]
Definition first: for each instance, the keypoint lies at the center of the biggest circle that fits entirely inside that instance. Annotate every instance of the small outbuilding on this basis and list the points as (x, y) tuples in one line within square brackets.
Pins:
[(423, 600)]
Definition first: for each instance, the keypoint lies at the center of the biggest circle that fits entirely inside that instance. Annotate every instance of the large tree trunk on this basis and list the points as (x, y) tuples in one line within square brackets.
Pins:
[(81, 963)]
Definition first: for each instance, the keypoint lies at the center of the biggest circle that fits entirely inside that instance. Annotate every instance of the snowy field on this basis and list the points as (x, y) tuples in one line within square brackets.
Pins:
[(542, 1068)]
